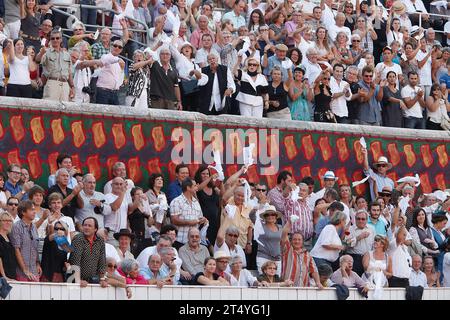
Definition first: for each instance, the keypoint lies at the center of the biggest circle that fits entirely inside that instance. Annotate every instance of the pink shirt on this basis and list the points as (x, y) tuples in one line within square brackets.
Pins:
[(196, 37), (111, 75), (138, 280)]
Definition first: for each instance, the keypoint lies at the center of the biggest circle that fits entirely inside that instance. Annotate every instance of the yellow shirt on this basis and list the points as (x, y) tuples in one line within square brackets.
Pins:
[(241, 220)]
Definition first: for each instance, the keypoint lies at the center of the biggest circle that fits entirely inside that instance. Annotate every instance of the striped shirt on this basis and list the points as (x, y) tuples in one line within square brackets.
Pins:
[(296, 266), (180, 206), (299, 208), (276, 198)]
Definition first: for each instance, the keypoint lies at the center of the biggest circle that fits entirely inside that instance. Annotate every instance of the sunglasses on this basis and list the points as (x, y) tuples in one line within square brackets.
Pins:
[(59, 229), (361, 219), (385, 195), (55, 38), (356, 40), (16, 172), (263, 190), (271, 215), (7, 220), (328, 79), (112, 266), (13, 204), (117, 46), (253, 64), (222, 261), (78, 30)]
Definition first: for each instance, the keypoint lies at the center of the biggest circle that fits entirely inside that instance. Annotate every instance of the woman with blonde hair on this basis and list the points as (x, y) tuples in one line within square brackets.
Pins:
[(253, 95), (322, 46), (433, 276), (8, 262)]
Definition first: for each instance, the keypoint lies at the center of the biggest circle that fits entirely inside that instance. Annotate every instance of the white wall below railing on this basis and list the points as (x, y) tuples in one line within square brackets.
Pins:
[(58, 291)]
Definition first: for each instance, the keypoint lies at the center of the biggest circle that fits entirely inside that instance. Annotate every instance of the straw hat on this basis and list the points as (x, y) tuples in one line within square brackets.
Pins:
[(383, 160), (270, 209), (398, 7)]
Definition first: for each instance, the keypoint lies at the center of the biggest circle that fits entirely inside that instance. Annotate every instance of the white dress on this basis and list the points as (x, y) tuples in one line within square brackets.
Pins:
[(375, 275)]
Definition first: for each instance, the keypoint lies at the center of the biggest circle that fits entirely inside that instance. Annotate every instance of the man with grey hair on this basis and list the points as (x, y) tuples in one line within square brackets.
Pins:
[(417, 276), (226, 241), (70, 197), (193, 253), (170, 265), (119, 170), (346, 276), (339, 27), (164, 89), (118, 219), (156, 34), (110, 78), (312, 68), (91, 202), (196, 37)]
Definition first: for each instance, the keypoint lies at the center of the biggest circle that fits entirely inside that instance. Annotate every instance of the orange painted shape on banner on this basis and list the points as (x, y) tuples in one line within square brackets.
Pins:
[(2, 131), (376, 149), (341, 173), (171, 167), (13, 157), (76, 162), (325, 148), (158, 138), (320, 174), (442, 155), (134, 170), (425, 183), (138, 137), (252, 174), (153, 166), (393, 175), (78, 133), (308, 147), (57, 130), (440, 181), (291, 149), (394, 155), (305, 171), (236, 144), (358, 154), (271, 181), (52, 162), (231, 169), (37, 129), (409, 155), (342, 148), (357, 176), (94, 167), (35, 164), (109, 164), (119, 135), (17, 129), (426, 155), (98, 131)]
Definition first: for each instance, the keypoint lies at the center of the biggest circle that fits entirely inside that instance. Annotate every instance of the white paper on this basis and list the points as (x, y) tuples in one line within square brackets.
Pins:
[(440, 195), (203, 232), (248, 155), (230, 210), (294, 219), (176, 25), (403, 204), (294, 194), (217, 16), (357, 183), (218, 165), (287, 63), (129, 9), (96, 34), (154, 54), (258, 230), (43, 42), (410, 179), (363, 143), (247, 192)]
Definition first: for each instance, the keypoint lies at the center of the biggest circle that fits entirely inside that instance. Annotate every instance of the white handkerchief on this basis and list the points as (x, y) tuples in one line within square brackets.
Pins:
[(230, 210), (129, 9), (248, 155), (411, 179), (287, 63), (357, 183), (217, 16), (294, 194), (43, 42), (403, 204), (96, 34), (294, 218), (218, 165), (363, 143)]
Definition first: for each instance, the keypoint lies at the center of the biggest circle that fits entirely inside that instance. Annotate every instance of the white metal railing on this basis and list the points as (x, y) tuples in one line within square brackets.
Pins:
[(62, 291)]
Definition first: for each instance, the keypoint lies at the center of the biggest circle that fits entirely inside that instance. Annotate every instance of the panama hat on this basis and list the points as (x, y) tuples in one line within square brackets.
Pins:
[(383, 160), (330, 175), (221, 255), (270, 209)]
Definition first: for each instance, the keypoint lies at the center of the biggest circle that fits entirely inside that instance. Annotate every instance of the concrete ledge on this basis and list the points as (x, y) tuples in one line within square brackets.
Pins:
[(224, 120)]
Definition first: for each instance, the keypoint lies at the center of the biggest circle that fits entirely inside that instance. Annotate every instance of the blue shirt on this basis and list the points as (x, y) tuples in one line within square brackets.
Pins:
[(322, 223), (52, 181), (13, 189), (380, 227), (380, 180), (174, 191), (370, 111), (445, 79), (149, 275), (274, 61)]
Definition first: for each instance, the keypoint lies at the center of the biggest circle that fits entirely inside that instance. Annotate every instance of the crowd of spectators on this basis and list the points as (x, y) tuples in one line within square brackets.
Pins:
[(352, 62), (205, 231)]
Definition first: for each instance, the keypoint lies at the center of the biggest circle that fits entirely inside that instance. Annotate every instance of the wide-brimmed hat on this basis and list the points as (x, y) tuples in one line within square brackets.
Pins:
[(221, 255), (123, 232), (268, 210), (186, 43), (330, 175), (383, 160), (398, 7), (281, 47)]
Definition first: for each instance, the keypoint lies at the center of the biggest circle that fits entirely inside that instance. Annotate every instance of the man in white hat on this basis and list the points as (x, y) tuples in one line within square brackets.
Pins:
[(222, 260), (329, 179), (381, 166)]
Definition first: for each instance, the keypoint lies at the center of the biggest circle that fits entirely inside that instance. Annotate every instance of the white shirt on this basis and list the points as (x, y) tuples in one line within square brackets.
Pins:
[(334, 30), (418, 278), (328, 236), (414, 6), (447, 30), (216, 100), (111, 75), (202, 56), (391, 36), (424, 72), (328, 17), (81, 78), (111, 252), (238, 251), (88, 209), (339, 105), (401, 260), (19, 71), (143, 257), (130, 185), (416, 110), (303, 46), (117, 219), (446, 270), (246, 279), (153, 40), (383, 69), (312, 71)]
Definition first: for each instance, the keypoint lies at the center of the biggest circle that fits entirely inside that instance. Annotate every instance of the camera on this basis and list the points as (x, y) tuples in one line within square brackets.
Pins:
[(87, 90)]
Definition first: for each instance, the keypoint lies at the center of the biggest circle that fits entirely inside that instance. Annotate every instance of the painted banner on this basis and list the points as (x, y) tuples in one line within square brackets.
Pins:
[(35, 138)]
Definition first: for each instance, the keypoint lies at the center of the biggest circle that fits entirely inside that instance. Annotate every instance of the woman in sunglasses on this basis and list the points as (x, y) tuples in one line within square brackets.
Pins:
[(322, 98), (8, 262), (54, 254), (269, 239), (114, 278)]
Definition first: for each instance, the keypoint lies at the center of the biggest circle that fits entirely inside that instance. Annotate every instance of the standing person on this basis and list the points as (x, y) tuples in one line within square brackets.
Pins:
[(351, 76), (139, 216), (119, 170), (89, 254), (275, 195), (8, 261), (25, 239), (421, 233), (174, 189), (118, 218), (90, 203), (138, 93), (12, 18), (370, 96), (164, 89), (19, 83), (299, 95), (341, 93), (387, 65), (157, 199), (393, 105), (269, 240), (322, 98), (56, 68), (437, 108), (70, 196), (54, 255), (278, 92), (103, 46), (413, 96), (401, 260), (377, 264), (110, 78), (185, 211), (83, 74), (252, 95)]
